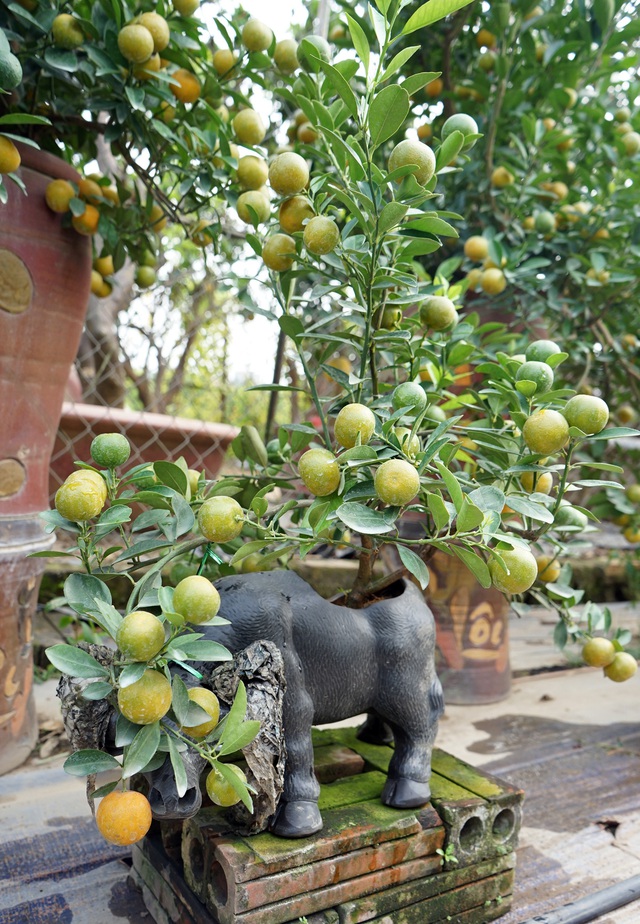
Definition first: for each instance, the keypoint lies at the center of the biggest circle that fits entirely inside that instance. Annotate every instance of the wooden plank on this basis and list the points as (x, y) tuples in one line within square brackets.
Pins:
[(424, 891)]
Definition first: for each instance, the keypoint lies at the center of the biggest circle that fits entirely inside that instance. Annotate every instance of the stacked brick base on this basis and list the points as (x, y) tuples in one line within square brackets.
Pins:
[(452, 861)]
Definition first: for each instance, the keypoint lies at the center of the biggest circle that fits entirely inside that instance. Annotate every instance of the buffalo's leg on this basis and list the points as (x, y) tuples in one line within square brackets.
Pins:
[(409, 771), (298, 814), (375, 730)]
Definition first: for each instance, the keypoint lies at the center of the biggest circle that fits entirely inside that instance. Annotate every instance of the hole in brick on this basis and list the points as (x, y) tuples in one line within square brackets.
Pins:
[(218, 883), (503, 824), (196, 860), (471, 832)]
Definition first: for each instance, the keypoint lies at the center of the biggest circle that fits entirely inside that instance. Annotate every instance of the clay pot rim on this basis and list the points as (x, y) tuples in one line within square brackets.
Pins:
[(44, 162)]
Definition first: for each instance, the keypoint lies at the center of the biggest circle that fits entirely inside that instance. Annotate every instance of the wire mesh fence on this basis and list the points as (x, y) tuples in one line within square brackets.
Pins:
[(106, 393)]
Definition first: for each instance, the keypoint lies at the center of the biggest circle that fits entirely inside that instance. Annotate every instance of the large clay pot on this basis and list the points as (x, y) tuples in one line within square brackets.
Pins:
[(45, 273), (472, 634)]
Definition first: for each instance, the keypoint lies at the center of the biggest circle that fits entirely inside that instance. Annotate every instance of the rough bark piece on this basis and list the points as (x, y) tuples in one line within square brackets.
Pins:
[(261, 669)]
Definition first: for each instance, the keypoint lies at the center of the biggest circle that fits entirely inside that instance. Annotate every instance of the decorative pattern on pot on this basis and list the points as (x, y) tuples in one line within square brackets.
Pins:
[(472, 630)]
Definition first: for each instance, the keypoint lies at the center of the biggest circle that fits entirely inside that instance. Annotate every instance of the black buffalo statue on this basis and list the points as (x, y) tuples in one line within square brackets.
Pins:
[(340, 662)]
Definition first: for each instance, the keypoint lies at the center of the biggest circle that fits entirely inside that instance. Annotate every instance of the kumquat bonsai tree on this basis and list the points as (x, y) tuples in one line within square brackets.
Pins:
[(463, 426)]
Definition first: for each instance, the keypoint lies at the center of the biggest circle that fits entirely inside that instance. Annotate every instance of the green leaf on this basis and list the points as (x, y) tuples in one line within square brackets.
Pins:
[(341, 87), (388, 111), (431, 224), (235, 783), (180, 701), (204, 650), (82, 591), (359, 454), (75, 662), (125, 731), (390, 216), (526, 387), (172, 476), (185, 517), (141, 750), (360, 41), (236, 714), (414, 564), (397, 61), (529, 508), (614, 433), (438, 510), (488, 499), (245, 735), (476, 565), (449, 149), (415, 82), (253, 446), (61, 59), (106, 789), (256, 545), (21, 118), (88, 762), (131, 673), (99, 690), (451, 482), (366, 520), (107, 617), (430, 12), (111, 519), (291, 326), (179, 772), (469, 517)]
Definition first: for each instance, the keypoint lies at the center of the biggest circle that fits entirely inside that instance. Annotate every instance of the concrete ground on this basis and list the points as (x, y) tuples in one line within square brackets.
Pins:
[(581, 824)]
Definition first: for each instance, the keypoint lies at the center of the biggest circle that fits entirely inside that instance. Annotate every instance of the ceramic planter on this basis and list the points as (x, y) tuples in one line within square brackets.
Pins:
[(472, 634), (45, 273)]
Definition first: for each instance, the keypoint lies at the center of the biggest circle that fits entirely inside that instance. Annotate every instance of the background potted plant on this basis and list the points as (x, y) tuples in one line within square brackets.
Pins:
[(151, 143), (481, 459)]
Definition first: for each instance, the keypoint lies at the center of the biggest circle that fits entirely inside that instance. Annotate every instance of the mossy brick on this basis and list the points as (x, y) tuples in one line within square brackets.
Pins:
[(167, 892), (199, 835), (476, 898), (292, 908), (350, 791), (422, 892), (235, 898), (376, 756), (163, 878), (334, 761), (345, 829), (477, 781), (171, 836)]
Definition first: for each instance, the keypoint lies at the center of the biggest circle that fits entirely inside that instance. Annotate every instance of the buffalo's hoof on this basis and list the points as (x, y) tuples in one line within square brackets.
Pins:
[(296, 819), (406, 793)]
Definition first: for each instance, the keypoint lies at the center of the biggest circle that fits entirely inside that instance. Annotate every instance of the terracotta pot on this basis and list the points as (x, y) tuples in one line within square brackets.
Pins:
[(45, 273), (472, 634), (153, 437)]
